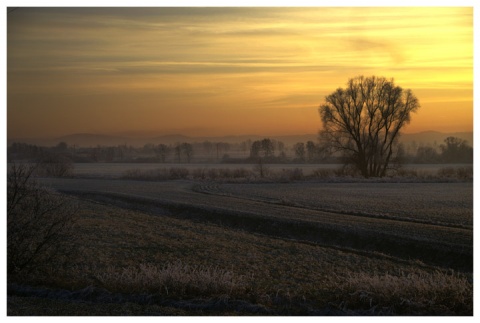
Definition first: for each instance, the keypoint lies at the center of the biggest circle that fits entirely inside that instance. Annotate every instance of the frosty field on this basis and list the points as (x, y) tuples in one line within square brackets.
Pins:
[(296, 248), (433, 218)]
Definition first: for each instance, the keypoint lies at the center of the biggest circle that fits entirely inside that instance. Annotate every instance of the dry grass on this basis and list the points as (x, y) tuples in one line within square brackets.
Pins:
[(134, 252), (444, 293), (173, 279)]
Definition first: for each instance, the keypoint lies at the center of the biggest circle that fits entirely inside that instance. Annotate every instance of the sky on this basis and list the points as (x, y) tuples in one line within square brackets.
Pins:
[(227, 71)]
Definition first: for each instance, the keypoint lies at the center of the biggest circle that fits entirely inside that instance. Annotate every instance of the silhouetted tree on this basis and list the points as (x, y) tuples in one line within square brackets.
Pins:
[(299, 149), (427, 155), (311, 151), (244, 146), (187, 149), (162, 151), (222, 147), (456, 150), (178, 153), (262, 148), (363, 121), (148, 148), (255, 149), (61, 147), (207, 147), (54, 164), (268, 147)]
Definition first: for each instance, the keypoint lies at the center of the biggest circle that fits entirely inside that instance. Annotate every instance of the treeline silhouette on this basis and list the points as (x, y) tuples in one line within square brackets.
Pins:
[(58, 160)]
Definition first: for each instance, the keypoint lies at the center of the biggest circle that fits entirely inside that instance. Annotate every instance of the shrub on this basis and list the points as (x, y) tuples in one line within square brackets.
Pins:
[(40, 222), (55, 165)]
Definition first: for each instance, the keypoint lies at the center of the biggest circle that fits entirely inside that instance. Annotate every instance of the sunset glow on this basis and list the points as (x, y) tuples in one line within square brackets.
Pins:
[(227, 71)]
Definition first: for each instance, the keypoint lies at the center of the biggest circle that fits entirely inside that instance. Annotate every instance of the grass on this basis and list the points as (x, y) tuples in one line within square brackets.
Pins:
[(197, 268), (439, 292), (176, 279)]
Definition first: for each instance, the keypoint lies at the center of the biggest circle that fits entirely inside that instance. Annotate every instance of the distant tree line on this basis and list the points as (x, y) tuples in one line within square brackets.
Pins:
[(51, 161), (453, 150), (58, 160)]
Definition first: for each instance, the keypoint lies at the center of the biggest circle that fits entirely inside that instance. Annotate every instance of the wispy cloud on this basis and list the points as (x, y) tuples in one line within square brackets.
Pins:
[(259, 56)]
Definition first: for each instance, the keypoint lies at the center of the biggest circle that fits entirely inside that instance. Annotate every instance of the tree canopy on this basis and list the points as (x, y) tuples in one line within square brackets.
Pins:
[(363, 121)]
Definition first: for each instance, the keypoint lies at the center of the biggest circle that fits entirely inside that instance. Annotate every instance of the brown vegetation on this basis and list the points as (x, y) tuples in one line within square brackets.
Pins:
[(199, 267), (40, 223)]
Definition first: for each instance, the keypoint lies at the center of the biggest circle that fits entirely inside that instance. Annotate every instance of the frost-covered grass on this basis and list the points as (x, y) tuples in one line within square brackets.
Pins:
[(441, 203), (172, 279), (439, 292), (125, 251), (266, 243)]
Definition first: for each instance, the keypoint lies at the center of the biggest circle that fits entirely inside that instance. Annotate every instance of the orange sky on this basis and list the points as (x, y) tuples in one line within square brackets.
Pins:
[(227, 71)]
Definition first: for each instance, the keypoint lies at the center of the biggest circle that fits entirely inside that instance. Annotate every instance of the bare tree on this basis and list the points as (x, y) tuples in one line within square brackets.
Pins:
[(456, 150), (161, 152), (187, 149), (55, 164), (268, 147), (255, 149), (299, 149), (363, 121), (311, 150), (40, 223)]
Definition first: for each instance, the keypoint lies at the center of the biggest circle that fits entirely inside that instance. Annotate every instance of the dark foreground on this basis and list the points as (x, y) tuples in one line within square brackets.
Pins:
[(272, 249)]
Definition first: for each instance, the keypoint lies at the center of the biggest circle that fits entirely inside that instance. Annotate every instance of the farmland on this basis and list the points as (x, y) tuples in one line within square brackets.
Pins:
[(311, 247)]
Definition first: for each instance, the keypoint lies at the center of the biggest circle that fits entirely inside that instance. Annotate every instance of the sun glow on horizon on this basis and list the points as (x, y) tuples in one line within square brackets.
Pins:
[(227, 71)]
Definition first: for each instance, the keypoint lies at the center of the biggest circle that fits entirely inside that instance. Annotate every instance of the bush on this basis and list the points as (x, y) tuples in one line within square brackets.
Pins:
[(55, 165), (40, 222)]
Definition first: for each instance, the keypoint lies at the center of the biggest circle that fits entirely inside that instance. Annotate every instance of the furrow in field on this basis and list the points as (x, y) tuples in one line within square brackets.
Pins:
[(213, 189), (437, 244), (443, 204)]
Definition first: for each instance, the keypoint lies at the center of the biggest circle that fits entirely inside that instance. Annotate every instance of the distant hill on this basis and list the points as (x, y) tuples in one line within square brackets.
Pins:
[(92, 140)]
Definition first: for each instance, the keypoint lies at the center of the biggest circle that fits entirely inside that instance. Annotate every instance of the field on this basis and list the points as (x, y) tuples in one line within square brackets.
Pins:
[(312, 247)]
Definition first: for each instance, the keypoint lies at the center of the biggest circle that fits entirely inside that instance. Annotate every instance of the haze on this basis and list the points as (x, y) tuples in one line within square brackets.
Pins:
[(227, 71)]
